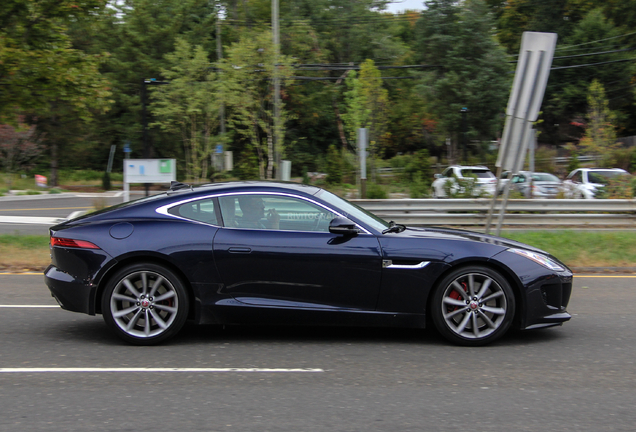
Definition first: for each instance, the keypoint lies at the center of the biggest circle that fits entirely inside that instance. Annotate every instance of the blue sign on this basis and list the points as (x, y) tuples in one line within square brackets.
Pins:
[(127, 147), (219, 148)]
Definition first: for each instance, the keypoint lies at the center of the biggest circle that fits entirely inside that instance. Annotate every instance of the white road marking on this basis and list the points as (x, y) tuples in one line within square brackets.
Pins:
[(37, 220), (195, 370), (29, 306)]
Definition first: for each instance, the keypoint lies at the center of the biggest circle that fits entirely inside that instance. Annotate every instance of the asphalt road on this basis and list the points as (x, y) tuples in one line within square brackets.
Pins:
[(578, 377), (35, 214)]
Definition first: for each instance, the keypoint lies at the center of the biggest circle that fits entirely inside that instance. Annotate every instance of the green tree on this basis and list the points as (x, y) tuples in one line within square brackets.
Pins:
[(189, 105), (472, 68), (247, 73), (38, 63), (367, 106), (600, 136)]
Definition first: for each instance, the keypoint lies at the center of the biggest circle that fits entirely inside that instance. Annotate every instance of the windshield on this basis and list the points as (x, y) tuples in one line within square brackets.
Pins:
[(545, 177), (602, 177), (483, 173), (354, 211)]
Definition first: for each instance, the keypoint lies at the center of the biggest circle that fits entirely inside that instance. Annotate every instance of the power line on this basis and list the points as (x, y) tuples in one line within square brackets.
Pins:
[(594, 53), (592, 64), (567, 47)]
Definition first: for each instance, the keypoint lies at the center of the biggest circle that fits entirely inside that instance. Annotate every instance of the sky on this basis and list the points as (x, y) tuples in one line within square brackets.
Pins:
[(401, 5)]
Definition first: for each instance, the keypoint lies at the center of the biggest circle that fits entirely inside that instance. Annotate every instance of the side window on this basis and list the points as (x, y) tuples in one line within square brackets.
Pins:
[(273, 212), (578, 177), (448, 172), (201, 210)]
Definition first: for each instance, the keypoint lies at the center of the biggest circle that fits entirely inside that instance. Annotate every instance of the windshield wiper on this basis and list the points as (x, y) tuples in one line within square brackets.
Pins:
[(394, 228)]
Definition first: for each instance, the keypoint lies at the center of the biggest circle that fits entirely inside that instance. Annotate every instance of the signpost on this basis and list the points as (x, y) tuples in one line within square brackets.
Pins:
[(148, 171), (528, 88)]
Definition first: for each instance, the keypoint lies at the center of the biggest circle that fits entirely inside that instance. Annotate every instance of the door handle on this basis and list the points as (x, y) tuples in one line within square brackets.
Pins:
[(239, 250)]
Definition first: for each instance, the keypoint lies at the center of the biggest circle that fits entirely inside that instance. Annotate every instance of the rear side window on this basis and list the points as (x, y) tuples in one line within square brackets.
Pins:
[(202, 211), (483, 174)]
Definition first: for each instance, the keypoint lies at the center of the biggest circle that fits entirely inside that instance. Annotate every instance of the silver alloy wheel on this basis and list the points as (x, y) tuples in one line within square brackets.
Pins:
[(144, 304), (474, 306)]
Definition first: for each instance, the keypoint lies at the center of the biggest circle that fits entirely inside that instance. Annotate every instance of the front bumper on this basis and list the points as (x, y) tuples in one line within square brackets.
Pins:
[(71, 293)]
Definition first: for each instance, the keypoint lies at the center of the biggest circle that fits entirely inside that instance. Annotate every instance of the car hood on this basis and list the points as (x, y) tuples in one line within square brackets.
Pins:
[(455, 234)]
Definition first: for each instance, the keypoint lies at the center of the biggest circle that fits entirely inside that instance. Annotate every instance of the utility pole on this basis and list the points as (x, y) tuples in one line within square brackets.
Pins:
[(464, 110), (219, 56), (276, 134)]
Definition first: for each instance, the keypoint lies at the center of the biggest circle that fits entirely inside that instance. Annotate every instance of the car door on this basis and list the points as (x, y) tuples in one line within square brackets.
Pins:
[(285, 256)]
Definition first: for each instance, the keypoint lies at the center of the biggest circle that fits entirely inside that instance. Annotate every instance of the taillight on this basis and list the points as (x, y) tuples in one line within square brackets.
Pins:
[(65, 242)]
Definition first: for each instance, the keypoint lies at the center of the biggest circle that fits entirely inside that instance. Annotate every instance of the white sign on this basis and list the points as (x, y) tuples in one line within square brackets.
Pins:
[(526, 96), (150, 170)]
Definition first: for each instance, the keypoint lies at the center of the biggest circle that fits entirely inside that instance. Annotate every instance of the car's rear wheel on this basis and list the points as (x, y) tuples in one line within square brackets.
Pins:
[(473, 306), (145, 304)]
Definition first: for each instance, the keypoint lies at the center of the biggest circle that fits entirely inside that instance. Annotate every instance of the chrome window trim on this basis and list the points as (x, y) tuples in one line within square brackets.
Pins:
[(164, 209), (389, 264)]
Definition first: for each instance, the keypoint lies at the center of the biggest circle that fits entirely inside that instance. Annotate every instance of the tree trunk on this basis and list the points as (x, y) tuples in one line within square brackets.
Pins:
[(270, 155), (341, 131)]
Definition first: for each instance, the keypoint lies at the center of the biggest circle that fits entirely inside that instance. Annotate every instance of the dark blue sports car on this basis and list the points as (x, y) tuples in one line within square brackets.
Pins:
[(284, 253)]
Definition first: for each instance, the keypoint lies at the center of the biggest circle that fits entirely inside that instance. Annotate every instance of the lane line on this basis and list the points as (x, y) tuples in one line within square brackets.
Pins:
[(29, 306), (593, 276), (22, 274), (46, 208), (163, 370)]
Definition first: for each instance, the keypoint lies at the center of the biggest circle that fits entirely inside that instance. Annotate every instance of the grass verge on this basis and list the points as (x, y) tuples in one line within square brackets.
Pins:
[(574, 248)]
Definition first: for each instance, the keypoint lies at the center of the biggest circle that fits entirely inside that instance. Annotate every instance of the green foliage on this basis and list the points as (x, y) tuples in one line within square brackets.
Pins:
[(306, 179), (189, 105), (621, 187), (39, 65), (418, 168), (250, 97), (600, 136), (247, 166), (459, 37), (376, 191), (544, 160), (573, 163), (334, 165), (367, 106)]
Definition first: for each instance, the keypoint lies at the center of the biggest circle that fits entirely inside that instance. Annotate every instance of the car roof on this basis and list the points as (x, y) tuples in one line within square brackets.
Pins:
[(260, 185)]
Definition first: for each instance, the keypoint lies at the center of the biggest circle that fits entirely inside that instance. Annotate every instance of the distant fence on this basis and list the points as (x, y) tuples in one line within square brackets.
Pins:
[(536, 212)]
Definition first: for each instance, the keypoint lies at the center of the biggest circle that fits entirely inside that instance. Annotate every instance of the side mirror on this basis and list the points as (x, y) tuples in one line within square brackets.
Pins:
[(438, 176), (342, 226)]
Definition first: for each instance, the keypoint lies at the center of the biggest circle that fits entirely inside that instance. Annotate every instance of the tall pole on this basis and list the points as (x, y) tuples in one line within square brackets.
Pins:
[(464, 143), (219, 56), (276, 134), (144, 121)]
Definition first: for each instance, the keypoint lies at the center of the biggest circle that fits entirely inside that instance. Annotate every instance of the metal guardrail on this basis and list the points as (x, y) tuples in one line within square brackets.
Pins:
[(537, 212)]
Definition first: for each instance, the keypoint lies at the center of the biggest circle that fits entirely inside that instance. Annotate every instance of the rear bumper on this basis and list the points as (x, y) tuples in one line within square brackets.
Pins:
[(71, 293)]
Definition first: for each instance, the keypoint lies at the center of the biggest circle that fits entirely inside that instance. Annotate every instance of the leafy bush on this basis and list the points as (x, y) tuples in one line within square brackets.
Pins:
[(621, 187), (334, 166), (376, 191), (55, 191), (420, 188), (247, 166), (418, 166)]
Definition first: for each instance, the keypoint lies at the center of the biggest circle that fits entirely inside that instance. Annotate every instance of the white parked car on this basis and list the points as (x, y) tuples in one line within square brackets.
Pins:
[(585, 182), (484, 181), (536, 185)]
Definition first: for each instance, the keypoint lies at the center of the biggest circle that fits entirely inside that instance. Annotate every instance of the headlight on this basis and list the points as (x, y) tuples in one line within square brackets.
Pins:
[(538, 258)]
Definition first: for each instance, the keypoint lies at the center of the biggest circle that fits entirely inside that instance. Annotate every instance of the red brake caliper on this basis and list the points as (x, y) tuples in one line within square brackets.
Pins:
[(455, 296)]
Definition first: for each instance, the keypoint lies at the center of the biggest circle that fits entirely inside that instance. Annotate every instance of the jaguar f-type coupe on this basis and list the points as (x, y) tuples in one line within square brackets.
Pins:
[(291, 254)]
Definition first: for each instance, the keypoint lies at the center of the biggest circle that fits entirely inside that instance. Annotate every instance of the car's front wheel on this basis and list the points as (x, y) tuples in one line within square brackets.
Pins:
[(145, 304), (473, 306)]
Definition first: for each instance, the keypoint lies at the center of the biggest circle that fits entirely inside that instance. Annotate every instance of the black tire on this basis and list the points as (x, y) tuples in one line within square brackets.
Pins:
[(145, 304), (472, 306)]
